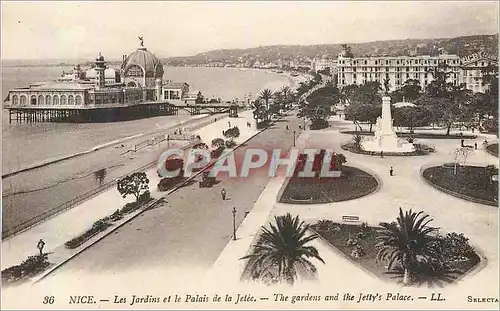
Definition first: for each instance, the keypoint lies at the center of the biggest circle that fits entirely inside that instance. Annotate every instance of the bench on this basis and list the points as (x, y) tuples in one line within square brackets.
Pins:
[(350, 218)]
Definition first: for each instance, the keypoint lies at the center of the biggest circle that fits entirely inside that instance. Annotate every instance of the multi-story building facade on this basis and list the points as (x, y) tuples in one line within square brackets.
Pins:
[(473, 69), (358, 70), (397, 70)]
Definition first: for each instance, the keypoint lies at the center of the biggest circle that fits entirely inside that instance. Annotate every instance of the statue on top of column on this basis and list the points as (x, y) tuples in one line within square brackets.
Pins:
[(386, 85), (141, 38)]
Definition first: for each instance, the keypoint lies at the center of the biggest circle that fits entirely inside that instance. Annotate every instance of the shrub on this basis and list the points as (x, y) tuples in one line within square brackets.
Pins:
[(319, 124), (129, 207), (117, 215), (145, 197), (358, 252), (352, 242), (230, 143), (357, 139), (364, 226), (453, 247), (32, 265)]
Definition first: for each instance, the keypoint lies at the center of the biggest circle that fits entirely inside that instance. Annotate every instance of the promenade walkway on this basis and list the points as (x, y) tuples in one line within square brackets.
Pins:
[(189, 230), (56, 231)]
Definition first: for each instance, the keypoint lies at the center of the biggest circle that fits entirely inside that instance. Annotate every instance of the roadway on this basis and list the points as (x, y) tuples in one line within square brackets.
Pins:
[(191, 228)]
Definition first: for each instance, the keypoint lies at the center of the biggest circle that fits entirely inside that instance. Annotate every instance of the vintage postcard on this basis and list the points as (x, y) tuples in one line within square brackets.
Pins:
[(249, 155)]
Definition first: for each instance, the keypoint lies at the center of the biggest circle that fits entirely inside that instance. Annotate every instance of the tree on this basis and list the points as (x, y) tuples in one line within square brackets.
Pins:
[(231, 134), (266, 96), (260, 112), (363, 113), (133, 184), (199, 98), (409, 92), (318, 106), (461, 155), (366, 103), (411, 117), (340, 159), (346, 93), (282, 251), (407, 242), (357, 139)]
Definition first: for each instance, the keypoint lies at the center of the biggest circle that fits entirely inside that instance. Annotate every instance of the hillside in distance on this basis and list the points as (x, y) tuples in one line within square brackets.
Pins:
[(462, 46)]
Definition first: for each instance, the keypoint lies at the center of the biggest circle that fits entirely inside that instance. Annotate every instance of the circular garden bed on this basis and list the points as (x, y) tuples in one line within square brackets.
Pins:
[(472, 183), (353, 183), (492, 149), (420, 150)]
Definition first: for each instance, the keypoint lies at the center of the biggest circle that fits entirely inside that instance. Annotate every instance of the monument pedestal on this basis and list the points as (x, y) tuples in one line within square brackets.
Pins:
[(385, 138)]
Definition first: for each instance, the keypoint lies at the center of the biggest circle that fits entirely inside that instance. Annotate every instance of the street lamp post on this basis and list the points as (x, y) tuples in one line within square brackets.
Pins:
[(234, 223), (294, 138)]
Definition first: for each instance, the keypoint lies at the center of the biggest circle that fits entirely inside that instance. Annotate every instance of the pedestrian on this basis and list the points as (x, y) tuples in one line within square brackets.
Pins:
[(215, 120), (473, 130), (300, 127), (475, 145), (223, 194), (287, 127), (461, 143), (40, 246), (229, 123), (381, 153), (391, 171)]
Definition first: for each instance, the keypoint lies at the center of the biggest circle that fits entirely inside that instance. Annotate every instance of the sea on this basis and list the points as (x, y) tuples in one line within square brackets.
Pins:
[(28, 144)]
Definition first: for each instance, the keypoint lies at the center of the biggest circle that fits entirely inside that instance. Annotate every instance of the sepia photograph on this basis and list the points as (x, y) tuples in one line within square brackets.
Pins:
[(184, 155)]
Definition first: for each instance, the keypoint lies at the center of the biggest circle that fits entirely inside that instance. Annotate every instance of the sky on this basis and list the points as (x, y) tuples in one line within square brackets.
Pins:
[(79, 30)]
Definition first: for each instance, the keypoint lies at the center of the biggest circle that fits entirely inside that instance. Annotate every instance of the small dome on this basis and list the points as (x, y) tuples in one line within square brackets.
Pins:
[(140, 62)]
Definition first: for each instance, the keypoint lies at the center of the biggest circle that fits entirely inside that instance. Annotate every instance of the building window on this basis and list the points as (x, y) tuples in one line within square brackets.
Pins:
[(48, 100), (71, 100), (33, 99), (354, 76), (23, 100), (78, 100), (366, 62), (15, 100), (56, 99), (40, 100), (63, 100)]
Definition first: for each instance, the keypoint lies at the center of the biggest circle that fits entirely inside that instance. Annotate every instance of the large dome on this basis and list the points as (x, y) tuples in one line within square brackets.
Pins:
[(140, 62)]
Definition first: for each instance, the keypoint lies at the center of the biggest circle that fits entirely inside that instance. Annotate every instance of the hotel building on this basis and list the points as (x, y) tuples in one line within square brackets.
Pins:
[(398, 69)]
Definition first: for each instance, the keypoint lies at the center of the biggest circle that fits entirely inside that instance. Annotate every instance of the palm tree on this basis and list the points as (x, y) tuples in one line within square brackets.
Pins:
[(286, 91), (281, 251), (266, 95), (407, 241)]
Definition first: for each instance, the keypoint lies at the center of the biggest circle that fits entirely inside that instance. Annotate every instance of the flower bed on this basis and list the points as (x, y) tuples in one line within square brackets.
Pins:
[(353, 183), (32, 266), (420, 150), (104, 223), (357, 242), (492, 149), (472, 183)]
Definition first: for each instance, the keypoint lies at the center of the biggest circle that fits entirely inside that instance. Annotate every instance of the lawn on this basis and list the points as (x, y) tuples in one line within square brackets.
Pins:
[(340, 236), (353, 183), (469, 182)]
